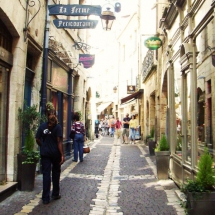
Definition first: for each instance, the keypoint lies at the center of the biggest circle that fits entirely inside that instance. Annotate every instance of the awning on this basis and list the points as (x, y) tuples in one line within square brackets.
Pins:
[(132, 97), (102, 106)]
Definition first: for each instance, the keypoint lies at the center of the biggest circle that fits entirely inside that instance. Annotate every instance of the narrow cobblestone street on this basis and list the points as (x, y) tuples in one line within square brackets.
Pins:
[(114, 179)]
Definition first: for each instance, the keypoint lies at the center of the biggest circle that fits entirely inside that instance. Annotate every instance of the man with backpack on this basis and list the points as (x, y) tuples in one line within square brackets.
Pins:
[(112, 124)]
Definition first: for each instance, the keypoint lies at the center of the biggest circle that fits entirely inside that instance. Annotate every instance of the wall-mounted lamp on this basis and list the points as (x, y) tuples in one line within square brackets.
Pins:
[(115, 89)]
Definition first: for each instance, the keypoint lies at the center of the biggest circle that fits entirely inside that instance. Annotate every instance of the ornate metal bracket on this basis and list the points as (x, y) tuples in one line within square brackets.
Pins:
[(30, 3), (80, 45), (210, 48), (73, 65)]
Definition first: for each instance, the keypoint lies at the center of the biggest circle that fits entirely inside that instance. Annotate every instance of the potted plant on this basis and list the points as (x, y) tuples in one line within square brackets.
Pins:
[(151, 142), (162, 158), (201, 191), (29, 120)]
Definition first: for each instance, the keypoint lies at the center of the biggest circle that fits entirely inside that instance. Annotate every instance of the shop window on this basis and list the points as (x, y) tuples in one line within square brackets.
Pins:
[(49, 95), (49, 71), (4, 88), (29, 75), (209, 141), (111, 111), (65, 112), (201, 119), (209, 87), (188, 130), (5, 37), (54, 100), (29, 61)]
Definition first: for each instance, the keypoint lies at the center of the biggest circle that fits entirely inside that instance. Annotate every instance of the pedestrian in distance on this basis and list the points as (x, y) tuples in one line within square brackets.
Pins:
[(133, 128), (102, 127), (125, 132), (112, 125), (49, 138), (106, 126), (97, 128), (78, 142), (118, 127)]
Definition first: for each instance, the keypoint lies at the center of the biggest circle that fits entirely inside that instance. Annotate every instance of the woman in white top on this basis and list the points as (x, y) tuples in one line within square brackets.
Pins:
[(133, 127)]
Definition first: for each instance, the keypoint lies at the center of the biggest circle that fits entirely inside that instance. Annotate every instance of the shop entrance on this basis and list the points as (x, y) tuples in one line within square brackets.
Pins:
[(4, 83)]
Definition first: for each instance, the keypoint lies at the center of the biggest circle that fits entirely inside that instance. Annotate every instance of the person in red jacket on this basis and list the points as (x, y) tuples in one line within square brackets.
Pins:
[(118, 127)]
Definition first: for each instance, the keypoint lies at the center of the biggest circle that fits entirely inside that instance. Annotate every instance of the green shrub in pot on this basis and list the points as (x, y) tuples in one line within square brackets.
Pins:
[(29, 121), (163, 144)]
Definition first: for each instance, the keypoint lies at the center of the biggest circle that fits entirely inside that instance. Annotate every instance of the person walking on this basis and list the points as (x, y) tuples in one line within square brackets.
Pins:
[(118, 127), (49, 139), (106, 126), (97, 128), (112, 124), (102, 127), (79, 138), (125, 131), (133, 128)]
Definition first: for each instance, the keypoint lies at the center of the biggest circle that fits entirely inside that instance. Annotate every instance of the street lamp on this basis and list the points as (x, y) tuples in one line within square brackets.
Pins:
[(107, 18)]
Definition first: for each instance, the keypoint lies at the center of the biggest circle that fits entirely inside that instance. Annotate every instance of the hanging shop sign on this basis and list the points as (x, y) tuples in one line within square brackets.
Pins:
[(75, 10), (213, 58), (87, 60), (131, 89), (75, 24), (153, 43)]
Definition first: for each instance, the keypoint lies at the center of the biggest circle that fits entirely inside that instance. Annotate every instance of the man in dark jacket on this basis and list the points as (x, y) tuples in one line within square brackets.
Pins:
[(49, 138), (125, 131)]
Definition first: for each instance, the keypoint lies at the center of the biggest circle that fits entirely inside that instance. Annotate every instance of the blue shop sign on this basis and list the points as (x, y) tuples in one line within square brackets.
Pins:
[(74, 10), (75, 24)]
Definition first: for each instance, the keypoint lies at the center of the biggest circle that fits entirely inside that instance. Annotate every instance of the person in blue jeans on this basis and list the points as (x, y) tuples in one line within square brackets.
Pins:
[(79, 138), (49, 138), (133, 128), (112, 125)]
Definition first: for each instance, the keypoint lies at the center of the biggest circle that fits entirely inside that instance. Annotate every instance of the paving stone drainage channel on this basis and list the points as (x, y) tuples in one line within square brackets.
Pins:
[(107, 198)]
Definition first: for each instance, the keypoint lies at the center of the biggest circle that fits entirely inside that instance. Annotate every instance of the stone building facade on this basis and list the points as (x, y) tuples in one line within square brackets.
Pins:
[(38, 64), (183, 102)]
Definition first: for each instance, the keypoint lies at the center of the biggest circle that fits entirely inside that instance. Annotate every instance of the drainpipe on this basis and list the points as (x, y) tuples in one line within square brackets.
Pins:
[(45, 61), (68, 145), (193, 105)]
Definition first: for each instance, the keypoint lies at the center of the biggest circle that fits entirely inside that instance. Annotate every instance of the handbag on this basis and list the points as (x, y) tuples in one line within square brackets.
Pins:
[(72, 134), (86, 149)]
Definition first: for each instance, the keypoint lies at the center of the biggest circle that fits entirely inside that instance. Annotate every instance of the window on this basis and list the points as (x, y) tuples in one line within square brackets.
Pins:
[(49, 72), (5, 37)]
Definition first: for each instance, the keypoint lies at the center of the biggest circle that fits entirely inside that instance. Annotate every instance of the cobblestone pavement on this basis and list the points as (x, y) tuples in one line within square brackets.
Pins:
[(114, 179)]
